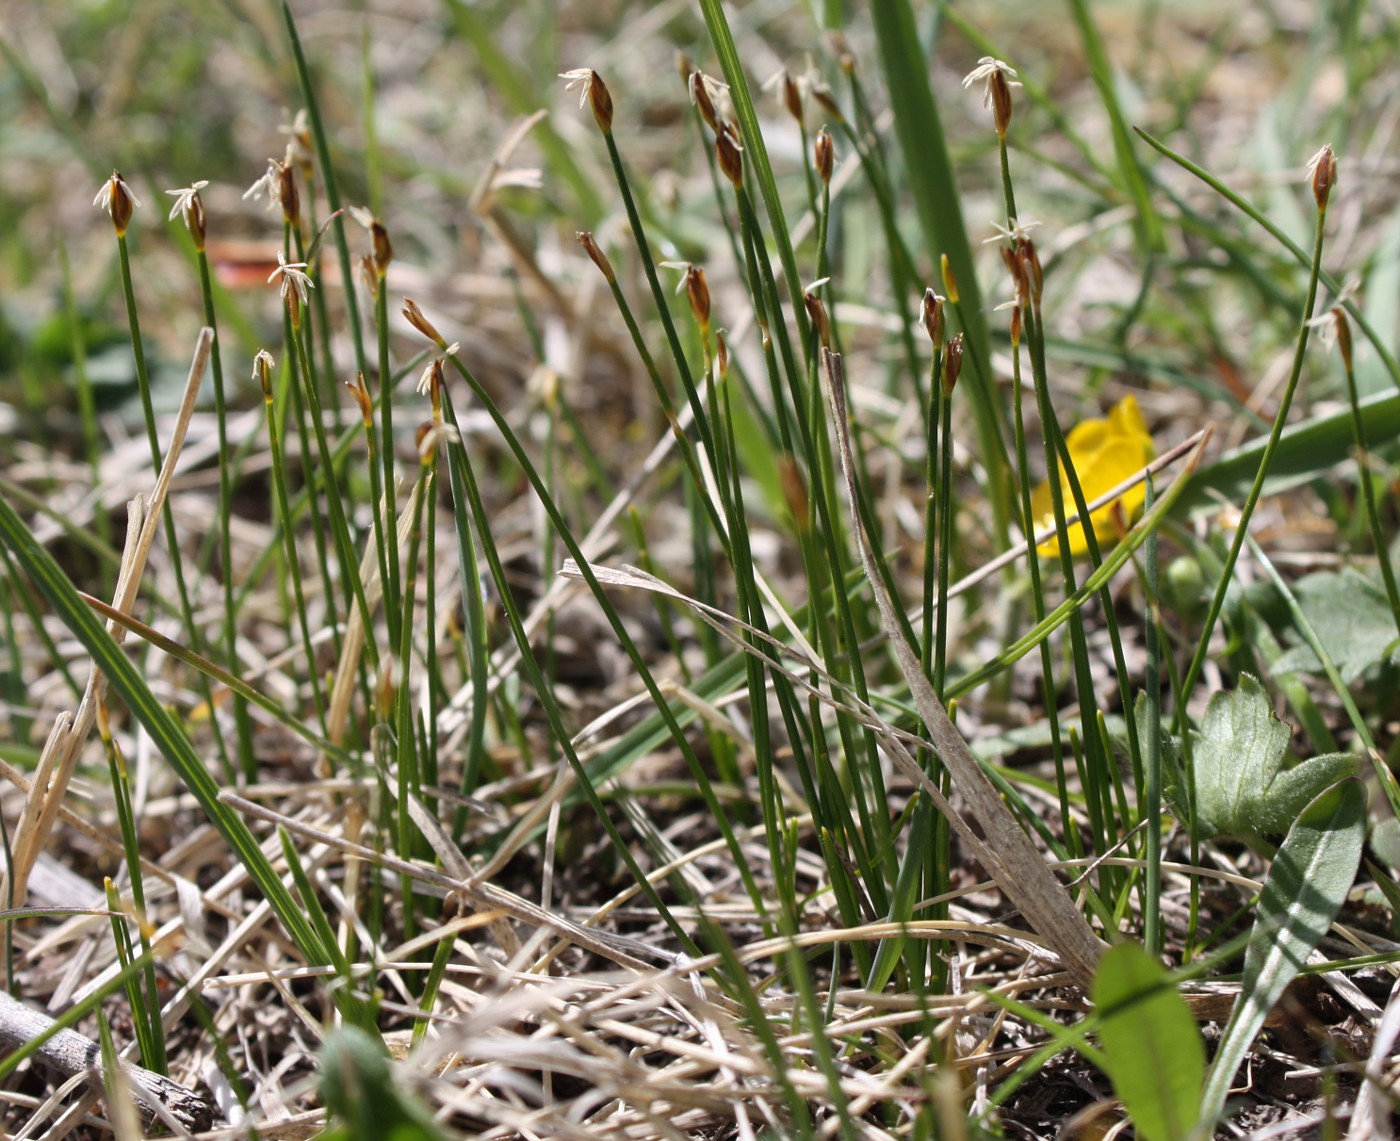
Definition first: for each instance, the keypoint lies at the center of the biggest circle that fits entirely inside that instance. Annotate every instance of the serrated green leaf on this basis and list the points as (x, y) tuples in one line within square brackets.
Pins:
[(1307, 885), (358, 1087), (1152, 1047), (1351, 617), (1244, 785)]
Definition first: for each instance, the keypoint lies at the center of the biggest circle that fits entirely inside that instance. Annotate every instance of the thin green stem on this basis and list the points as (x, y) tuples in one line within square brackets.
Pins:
[(1217, 602)]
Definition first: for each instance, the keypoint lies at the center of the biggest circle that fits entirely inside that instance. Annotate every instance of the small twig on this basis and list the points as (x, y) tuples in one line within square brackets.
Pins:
[(73, 1054)]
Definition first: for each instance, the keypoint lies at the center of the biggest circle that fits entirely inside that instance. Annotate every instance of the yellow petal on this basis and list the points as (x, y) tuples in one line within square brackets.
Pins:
[(1105, 453), (1126, 419)]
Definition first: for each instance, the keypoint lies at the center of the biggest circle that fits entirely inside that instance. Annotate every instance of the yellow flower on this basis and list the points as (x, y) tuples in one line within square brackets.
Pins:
[(1105, 453)]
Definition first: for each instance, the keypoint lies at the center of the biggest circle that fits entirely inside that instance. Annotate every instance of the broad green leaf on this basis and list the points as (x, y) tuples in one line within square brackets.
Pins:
[(1308, 883), (358, 1087), (1245, 787), (1305, 451), (1152, 1047), (1352, 619)]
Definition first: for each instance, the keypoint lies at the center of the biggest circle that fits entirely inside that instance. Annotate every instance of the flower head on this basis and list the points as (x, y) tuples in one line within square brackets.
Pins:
[(1331, 324), (1322, 175), (593, 90), (191, 205), (708, 96), (824, 156), (362, 400), (434, 369), (790, 88), (998, 78), (293, 275), (266, 185), (1015, 232), (298, 134), (263, 364), (595, 252), (186, 198), (434, 435), (117, 199), (414, 316), (932, 313), (952, 364), (730, 153)]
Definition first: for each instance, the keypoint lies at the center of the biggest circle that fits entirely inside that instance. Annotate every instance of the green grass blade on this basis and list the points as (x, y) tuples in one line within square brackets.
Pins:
[(924, 147), (1299, 254), (1130, 172)]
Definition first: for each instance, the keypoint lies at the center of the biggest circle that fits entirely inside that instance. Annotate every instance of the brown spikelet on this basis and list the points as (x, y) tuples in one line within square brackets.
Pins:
[(824, 156), (117, 199), (414, 316), (1029, 258), (730, 154), (932, 312), (287, 194), (697, 291), (383, 251), (262, 373), (792, 97), (1343, 330), (999, 91), (357, 390), (952, 364), (817, 312), (595, 252), (1322, 172), (700, 96)]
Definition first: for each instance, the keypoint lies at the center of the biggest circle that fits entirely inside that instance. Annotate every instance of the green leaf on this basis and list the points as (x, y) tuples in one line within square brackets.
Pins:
[(933, 184), (1307, 885), (1351, 617), (1152, 1047), (1245, 787), (358, 1087), (1305, 451)]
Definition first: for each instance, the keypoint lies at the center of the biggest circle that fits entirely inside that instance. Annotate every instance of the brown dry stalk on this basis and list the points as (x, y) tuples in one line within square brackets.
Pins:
[(70, 731), (992, 833)]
